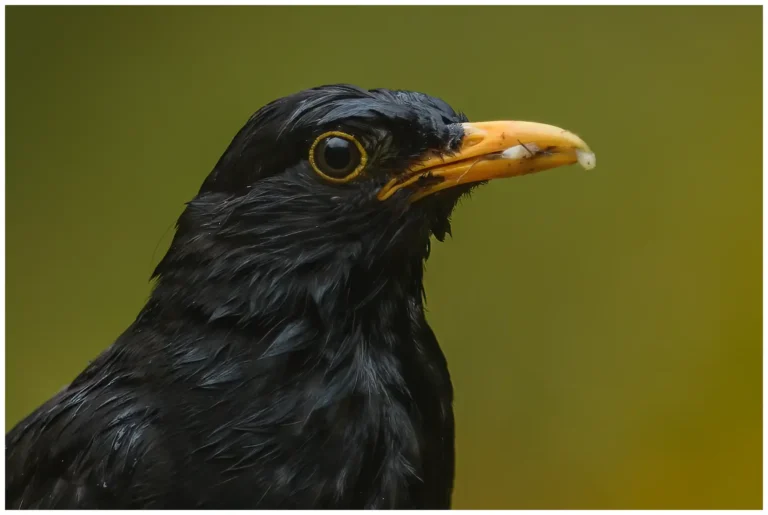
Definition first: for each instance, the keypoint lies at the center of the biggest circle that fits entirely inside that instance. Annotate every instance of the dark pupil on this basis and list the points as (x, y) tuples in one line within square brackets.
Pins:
[(338, 153)]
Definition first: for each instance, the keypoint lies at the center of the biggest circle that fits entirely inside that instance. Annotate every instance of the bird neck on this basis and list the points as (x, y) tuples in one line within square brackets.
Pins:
[(338, 339), (341, 299), (345, 302), (249, 270)]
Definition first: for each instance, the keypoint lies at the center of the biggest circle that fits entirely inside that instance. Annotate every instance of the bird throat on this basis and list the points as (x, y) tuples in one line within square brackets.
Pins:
[(340, 345)]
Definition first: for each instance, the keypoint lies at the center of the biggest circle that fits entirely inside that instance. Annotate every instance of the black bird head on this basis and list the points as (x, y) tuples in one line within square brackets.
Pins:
[(332, 149), (347, 181)]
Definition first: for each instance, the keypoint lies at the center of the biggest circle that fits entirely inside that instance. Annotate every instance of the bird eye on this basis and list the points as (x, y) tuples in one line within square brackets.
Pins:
[(337, 156)]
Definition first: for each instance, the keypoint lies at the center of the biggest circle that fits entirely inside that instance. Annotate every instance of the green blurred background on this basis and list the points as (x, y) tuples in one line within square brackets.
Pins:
[(603, 328)]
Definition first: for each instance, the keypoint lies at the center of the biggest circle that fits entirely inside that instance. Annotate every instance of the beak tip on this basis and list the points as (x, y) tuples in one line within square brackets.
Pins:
[(586, 159)]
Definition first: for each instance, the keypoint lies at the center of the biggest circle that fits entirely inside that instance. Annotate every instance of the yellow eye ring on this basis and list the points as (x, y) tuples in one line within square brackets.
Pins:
[(324, 138)]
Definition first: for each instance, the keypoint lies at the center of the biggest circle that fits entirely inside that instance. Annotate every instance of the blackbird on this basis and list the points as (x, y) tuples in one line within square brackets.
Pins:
[(283, 359)]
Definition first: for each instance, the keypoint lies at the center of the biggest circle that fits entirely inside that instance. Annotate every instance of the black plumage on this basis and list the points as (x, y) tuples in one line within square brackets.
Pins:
[(283, 359)]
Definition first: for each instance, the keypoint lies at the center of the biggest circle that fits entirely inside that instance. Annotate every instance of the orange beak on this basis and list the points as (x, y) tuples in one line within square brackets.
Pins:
[(493, 150)]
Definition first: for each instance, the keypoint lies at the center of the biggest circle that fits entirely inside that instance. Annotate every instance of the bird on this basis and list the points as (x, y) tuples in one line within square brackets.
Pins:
[(283, 359)]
